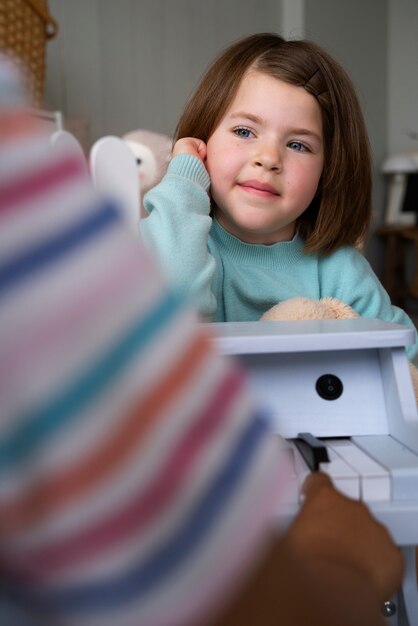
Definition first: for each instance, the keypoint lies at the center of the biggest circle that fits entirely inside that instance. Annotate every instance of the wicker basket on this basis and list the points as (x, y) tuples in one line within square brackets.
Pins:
[(25, 27)]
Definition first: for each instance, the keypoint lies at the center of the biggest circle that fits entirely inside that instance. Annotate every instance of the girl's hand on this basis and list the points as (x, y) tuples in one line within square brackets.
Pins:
[(190, 145)]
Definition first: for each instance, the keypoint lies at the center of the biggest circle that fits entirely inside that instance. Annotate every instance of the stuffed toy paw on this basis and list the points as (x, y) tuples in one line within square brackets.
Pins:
[(324, 309)]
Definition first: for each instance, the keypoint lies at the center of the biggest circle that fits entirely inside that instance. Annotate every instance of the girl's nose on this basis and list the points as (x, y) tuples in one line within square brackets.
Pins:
[(268, 156)]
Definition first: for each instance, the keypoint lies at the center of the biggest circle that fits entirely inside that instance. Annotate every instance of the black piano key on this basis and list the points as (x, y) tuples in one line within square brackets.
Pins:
[(312, 449)]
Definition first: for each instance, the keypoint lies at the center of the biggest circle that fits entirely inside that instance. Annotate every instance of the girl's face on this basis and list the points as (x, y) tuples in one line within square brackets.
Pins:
[(265, 159)]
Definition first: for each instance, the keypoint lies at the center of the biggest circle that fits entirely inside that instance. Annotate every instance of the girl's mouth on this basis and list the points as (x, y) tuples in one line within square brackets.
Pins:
[(259, 188)]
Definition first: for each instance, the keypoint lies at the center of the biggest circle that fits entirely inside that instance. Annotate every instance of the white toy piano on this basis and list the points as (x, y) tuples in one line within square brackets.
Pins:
[(347, 383)]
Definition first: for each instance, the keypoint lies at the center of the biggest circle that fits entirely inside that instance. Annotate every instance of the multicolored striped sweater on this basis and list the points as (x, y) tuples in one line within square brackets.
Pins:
[(137, 481)]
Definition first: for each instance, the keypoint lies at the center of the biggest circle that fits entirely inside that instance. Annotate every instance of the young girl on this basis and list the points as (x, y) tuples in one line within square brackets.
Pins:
[(269, 188)]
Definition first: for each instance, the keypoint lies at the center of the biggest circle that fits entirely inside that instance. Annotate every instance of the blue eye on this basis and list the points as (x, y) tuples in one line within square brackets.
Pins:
[(298, 146), (242, 132)]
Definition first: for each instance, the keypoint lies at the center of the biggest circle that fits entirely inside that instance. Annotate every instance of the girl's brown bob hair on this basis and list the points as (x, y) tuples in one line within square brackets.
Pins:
[(341, 211)]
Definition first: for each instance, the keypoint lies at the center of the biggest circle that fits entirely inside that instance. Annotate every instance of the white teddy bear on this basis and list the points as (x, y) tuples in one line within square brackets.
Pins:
[(152, 153)]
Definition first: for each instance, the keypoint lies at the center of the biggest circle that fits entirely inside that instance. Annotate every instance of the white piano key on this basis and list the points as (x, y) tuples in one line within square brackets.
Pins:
[(291, 489), (301, 468), (375, 481), (344, 478), (401, 462)]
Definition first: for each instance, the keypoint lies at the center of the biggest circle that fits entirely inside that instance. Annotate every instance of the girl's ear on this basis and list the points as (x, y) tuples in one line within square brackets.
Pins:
[(202, 150)]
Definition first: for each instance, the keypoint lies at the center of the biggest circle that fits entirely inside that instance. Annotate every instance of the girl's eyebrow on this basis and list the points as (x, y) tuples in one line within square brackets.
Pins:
[(249, 116)]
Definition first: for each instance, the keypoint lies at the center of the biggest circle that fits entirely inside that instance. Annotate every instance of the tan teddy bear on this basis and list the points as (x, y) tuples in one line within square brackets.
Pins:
[(306, 309), (325, 308)]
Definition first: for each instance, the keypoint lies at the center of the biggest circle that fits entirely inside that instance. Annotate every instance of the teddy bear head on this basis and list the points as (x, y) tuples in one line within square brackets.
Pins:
[(152, 153)]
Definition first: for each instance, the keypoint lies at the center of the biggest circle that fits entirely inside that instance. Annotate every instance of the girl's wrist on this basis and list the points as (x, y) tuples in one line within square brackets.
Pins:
[(190, 167)]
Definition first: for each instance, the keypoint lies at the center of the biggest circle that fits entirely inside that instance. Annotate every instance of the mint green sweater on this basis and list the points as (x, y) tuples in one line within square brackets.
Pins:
[(230, 280)]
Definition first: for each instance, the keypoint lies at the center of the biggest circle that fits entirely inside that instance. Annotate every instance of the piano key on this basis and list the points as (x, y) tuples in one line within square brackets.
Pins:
[(301, 468), (292, 487), (375, 481), (312, 449), (401, 462), (344, 477)]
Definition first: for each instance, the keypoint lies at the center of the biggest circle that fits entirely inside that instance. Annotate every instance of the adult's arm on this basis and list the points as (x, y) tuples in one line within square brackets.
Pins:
[(335, 565)]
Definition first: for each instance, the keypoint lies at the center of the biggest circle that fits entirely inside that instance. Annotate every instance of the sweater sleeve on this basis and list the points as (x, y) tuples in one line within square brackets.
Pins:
[(177, 229), (348, 276)]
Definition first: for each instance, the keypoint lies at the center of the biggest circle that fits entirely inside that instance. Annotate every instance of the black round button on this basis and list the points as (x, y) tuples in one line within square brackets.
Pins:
[(329, 387)]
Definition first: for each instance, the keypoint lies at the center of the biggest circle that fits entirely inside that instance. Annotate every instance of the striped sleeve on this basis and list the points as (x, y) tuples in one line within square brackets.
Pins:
[(137, 480)]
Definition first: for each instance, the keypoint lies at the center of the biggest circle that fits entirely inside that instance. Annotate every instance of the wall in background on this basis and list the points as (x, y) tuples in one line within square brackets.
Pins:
[(402, 93), (132, 63), (355, 32)]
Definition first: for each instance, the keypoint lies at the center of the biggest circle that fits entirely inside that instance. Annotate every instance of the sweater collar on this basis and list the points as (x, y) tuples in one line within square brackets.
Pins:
[(274, 255)]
